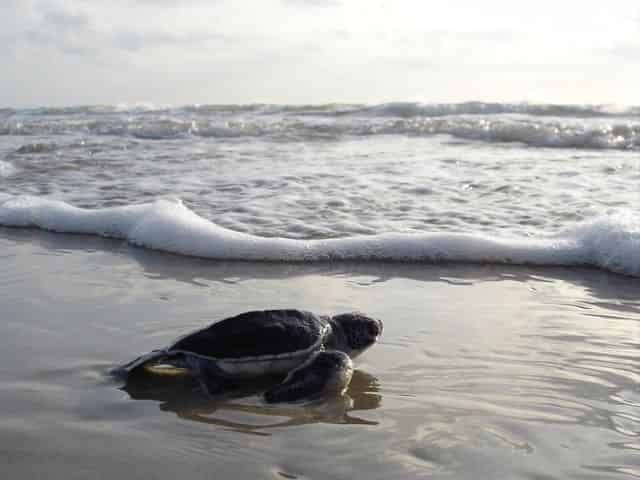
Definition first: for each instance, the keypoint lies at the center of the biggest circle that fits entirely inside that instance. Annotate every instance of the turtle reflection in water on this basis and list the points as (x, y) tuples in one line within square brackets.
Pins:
[(312, 352), (241, 411)]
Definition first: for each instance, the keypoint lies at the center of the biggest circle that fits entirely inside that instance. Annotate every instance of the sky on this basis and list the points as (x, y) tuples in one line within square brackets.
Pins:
[(177, 52)]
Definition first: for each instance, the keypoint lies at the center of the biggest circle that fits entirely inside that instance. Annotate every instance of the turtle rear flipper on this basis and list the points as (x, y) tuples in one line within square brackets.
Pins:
[(153, 357), (325, 373)]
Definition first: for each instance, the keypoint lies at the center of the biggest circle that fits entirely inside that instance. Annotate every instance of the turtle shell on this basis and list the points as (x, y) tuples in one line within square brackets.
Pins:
[(257, 342)]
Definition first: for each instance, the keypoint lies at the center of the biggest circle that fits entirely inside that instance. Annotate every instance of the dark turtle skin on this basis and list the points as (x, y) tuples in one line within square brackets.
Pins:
[(313, 352)]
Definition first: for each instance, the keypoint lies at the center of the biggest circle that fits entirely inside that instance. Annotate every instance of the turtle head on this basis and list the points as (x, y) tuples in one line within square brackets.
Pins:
[(353, 333)]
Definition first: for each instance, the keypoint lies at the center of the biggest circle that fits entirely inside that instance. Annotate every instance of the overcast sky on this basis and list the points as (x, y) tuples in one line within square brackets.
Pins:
[(70, 52)]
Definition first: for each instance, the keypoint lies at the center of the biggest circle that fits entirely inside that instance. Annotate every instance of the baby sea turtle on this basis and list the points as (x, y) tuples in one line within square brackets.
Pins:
[(314, 352)]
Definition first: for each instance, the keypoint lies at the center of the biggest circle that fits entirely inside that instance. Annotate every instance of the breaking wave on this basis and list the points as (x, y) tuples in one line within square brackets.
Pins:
[(611, 243), (399, 109), (412, 109), (617, 135)]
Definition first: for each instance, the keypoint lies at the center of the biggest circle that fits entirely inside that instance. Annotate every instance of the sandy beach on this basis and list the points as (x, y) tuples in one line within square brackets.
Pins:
[(483, 371)]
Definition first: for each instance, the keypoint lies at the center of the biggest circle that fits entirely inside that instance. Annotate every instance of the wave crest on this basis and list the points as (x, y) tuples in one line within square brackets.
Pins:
[(548, 134), (611, 243), (414, 109)]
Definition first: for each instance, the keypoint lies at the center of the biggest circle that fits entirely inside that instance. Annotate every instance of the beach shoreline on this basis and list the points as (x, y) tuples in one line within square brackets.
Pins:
[(501, 371)]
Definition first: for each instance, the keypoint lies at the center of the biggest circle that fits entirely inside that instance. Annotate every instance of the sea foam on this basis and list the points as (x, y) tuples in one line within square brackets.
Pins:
[(611, 243)]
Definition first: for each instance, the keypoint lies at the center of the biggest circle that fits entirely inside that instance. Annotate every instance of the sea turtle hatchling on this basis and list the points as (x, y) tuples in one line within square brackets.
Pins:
[(313, 352)]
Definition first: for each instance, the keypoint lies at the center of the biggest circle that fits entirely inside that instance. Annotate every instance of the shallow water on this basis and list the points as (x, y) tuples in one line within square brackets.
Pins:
[(483, 371)]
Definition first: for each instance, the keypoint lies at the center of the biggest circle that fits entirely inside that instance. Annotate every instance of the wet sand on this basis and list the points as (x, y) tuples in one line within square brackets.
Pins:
[(483, 371)]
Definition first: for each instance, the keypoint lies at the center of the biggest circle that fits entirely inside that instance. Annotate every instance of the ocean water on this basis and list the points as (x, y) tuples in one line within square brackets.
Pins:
[(499, 243), (515, 183)]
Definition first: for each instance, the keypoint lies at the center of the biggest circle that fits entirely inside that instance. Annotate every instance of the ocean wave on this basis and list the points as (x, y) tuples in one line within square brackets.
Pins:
[(392, 109), (616, 135), (611, 243), (397, 109), (33, 148), (75, 110), (414, 109)]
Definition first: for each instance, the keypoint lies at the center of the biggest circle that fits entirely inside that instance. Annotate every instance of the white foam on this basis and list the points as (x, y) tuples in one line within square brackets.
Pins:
[(6, 169), (611, 243)]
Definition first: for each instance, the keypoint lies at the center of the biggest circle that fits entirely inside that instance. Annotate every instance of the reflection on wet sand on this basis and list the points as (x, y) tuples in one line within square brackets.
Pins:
[(486, 371), (180, 393), (603, 290)]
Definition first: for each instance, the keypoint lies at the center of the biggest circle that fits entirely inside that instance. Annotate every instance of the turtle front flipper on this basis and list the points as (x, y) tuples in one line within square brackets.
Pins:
[(213, 381), (326, 373)]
